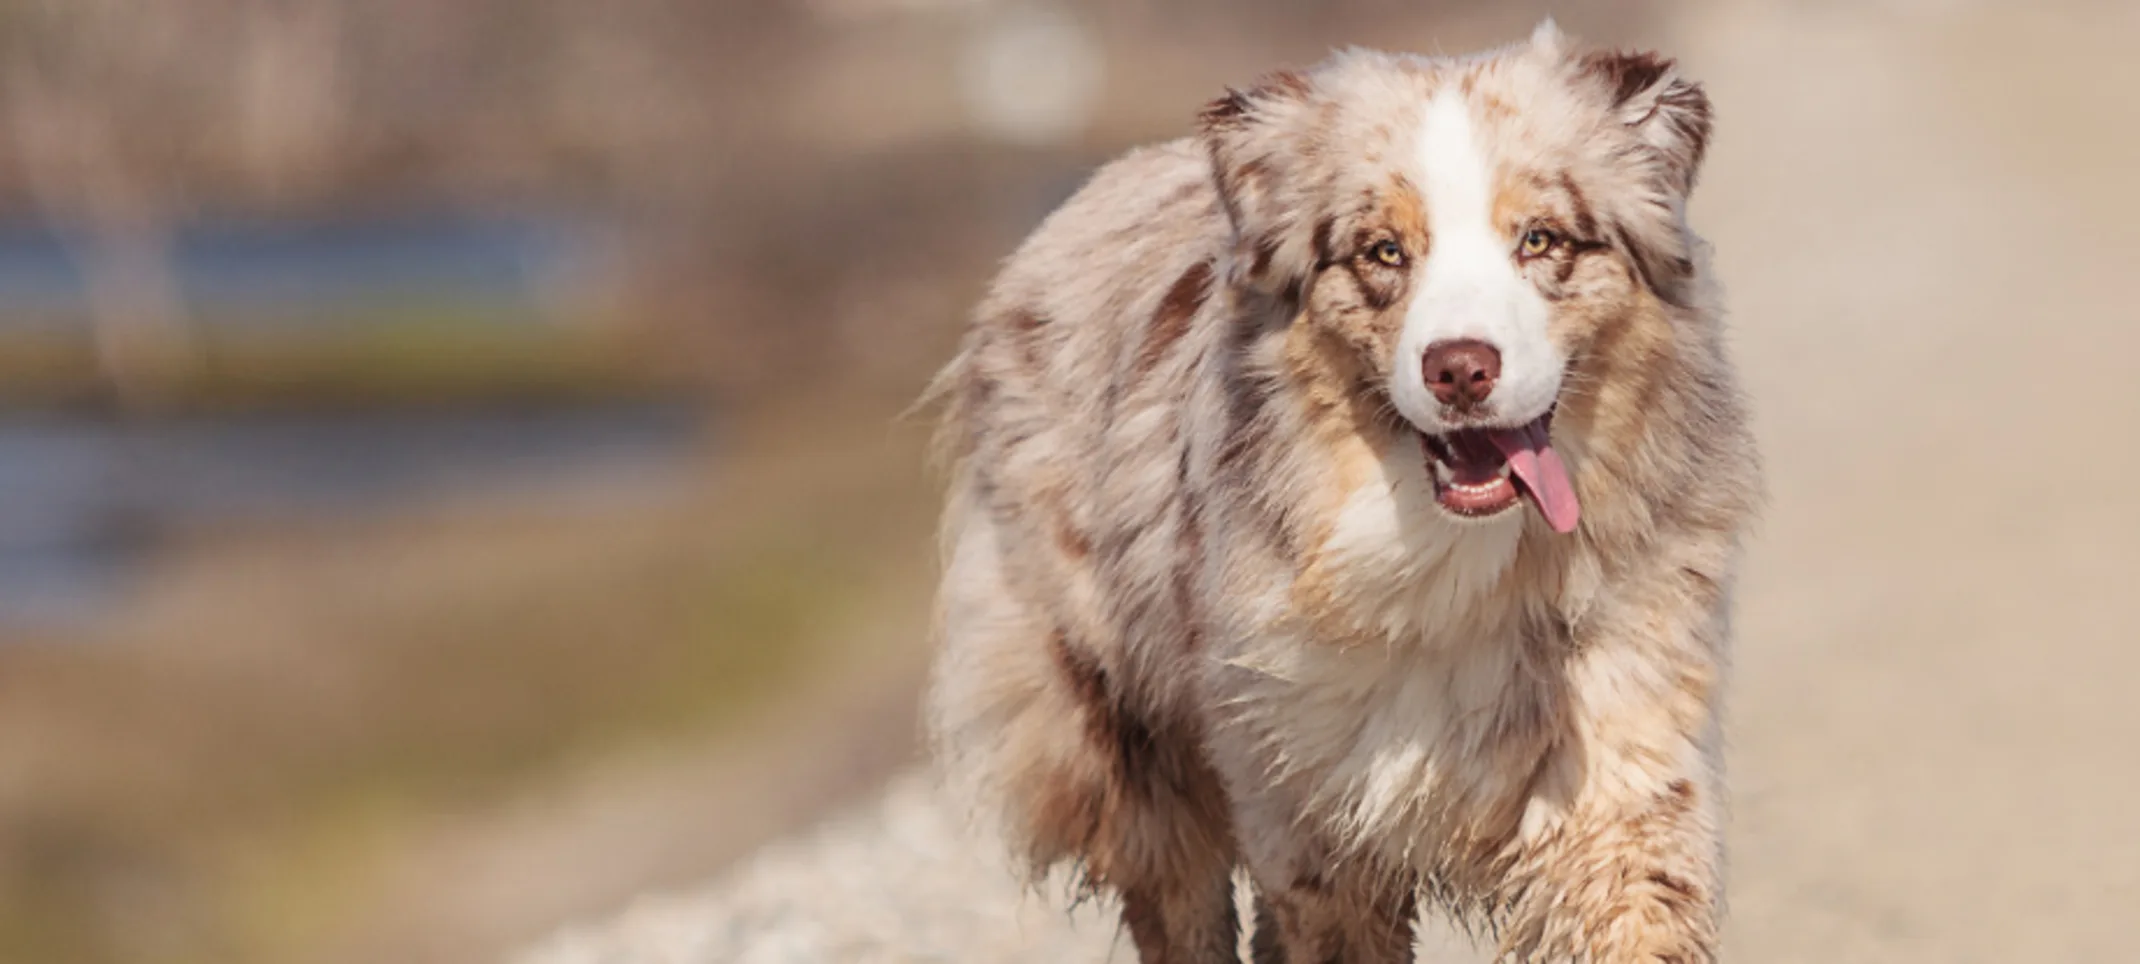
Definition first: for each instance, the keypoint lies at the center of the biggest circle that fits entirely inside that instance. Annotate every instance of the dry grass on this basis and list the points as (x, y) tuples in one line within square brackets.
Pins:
[(429, 356), (218, 777)]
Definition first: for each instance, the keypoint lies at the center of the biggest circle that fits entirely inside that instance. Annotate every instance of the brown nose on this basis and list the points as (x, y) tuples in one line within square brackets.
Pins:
[(1462, 372)]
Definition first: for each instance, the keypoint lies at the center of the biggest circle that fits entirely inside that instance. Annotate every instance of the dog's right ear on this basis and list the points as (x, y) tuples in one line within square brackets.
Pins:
[(1670, 113), (1256, 139)]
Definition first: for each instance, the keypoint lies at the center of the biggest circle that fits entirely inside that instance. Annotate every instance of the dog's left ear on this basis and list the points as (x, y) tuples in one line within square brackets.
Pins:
[(1256, 139), (1669, 113)]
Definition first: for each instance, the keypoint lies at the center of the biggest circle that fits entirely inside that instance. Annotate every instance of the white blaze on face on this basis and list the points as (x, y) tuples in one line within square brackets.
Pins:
[(1469, 286)]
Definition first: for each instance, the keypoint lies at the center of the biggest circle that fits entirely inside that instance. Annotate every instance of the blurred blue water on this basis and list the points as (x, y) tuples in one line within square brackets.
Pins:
[(234, 270), (84, 500)]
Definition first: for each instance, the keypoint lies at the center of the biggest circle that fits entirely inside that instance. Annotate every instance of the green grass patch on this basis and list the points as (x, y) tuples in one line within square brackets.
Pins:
[(414, 362)]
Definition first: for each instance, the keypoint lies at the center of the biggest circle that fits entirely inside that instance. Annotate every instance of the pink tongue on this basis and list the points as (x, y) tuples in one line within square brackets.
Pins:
[(1530, 455)]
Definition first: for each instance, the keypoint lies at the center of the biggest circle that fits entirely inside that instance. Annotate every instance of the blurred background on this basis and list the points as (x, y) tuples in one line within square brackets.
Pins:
[(451, 478)]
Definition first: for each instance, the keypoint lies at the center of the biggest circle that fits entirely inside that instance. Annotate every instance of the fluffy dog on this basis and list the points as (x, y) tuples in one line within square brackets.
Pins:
[(1352, 493)]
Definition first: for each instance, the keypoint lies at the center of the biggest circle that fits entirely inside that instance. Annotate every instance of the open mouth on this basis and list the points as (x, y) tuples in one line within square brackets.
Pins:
[(1484, 472)]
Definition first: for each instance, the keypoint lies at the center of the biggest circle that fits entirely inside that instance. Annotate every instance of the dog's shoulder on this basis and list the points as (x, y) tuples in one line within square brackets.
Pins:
[(1133, 225)]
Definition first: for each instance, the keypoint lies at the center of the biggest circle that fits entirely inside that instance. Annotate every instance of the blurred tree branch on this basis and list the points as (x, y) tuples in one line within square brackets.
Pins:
[(96, 96)]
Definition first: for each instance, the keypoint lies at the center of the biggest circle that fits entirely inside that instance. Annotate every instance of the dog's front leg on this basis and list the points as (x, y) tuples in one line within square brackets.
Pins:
[(1312, 905), (1337, 916), (1619, 859), (1633, 885)]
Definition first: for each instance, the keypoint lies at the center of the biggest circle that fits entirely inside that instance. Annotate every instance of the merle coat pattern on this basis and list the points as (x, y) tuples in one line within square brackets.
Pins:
[(1206, 604)]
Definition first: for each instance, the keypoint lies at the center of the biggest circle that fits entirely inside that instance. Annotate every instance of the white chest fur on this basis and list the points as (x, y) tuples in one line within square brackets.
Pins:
[(1428, 714)]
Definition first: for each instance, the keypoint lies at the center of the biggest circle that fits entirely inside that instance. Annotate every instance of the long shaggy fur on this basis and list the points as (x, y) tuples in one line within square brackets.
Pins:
[(1200, 609)]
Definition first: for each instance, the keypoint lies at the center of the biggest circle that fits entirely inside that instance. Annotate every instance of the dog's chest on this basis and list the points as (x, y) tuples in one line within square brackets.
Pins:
[(1416, 705), (1398, 747)]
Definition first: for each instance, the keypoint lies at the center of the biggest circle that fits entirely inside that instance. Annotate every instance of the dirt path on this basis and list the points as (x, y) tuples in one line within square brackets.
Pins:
[(1926, 224), (1925, 214)]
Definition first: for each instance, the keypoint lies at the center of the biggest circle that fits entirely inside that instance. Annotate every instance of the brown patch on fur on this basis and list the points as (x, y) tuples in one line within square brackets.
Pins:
[(1246, 427), (1025, 325), (1145, 764), (1064, 820), (1324, 253), (1024, 320), (1626, 73), (1519, 199), (1147, 929), (1678, 897), (1264, 946), (1171, 321), (1337, 913), (1407, 212), (1664, 276), (1377, 289), (1563, 269), (1679, 888), (1191, 922), (1322, 366), (1494, 110), (1234, 110), (1229, 111), (1067, 802), (1325, 374), (1266, 250), (1189, 535), (1142, 812), (1087, 679), (1070, 539), (1288, 81), (1639, 261), (1585, 220), (1295, 938)]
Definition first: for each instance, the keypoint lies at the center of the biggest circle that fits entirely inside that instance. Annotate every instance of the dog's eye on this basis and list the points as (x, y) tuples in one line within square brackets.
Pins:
[(1388, 252), (1538, 241)]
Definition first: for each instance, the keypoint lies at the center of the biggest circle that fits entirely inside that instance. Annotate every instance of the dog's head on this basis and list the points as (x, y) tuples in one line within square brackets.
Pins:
[(1455, 235)]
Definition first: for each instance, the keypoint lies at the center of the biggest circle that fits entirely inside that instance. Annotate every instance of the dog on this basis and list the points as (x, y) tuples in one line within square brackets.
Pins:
[(1351, 494)]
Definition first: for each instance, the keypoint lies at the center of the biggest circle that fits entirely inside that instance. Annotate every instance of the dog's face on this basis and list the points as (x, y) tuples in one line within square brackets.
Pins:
[(1458, 235)]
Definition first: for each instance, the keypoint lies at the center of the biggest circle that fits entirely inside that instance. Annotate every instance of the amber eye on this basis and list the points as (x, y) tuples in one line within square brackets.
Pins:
[(1538, 241), (1388, 252)]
